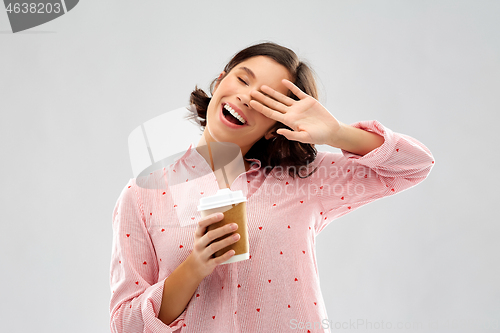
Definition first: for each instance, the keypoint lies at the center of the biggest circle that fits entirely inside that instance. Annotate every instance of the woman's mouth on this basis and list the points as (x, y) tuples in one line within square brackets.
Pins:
[(231, 118)]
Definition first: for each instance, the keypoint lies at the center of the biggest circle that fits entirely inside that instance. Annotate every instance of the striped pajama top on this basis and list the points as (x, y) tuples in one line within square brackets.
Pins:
[(277, 289)]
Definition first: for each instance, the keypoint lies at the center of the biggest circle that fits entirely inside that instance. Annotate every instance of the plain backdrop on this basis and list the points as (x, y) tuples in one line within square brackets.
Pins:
[(73, 89)]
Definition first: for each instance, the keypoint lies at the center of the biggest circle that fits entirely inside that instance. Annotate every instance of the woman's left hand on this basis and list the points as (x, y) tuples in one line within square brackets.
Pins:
[(311, 122)]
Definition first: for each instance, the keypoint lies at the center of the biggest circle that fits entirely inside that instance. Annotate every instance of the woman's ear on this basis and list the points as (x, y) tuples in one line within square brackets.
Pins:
[(218, 80)]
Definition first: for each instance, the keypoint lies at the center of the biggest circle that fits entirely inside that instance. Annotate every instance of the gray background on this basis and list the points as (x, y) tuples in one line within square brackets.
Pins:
[(73, 89)]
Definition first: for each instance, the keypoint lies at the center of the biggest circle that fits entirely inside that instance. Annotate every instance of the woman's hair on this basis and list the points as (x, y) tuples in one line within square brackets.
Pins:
[(278, 151)]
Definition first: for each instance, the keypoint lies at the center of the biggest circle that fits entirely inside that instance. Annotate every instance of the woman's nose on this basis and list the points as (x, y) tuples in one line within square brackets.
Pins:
[(245, 103)]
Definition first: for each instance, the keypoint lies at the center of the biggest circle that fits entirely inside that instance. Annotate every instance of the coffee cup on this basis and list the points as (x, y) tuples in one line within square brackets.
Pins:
[(233, 205)]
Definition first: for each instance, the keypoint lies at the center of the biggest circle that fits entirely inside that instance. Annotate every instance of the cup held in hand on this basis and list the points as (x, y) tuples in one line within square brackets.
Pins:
[(233, 205)]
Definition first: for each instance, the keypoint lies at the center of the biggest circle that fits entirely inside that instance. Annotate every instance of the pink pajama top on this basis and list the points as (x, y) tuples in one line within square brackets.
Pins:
[(277, 289)]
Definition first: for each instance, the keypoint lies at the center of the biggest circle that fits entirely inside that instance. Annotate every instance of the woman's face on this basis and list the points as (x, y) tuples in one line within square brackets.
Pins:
[(235, 89)]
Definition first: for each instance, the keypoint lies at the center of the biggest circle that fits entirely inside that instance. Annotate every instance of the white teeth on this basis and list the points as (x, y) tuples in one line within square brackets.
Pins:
[(235, 115)]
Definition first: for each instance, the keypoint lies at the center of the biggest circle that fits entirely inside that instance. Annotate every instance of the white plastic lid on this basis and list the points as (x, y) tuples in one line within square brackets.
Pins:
[(223, 197)]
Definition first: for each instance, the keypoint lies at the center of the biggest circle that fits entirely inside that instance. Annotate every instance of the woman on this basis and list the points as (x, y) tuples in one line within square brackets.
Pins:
[(163, 276)]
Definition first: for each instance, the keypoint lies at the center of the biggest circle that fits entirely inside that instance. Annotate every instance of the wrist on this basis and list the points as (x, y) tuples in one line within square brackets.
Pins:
[(337, 138), (190, 269)]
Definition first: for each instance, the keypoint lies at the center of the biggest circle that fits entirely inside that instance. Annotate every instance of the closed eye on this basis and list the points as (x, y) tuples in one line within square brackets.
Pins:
[(242, 81)]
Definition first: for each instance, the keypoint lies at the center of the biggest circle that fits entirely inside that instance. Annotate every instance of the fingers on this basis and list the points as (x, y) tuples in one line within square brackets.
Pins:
[(223, 258), (218, 238), (216, 246), (208, 243), (206, 221), (269, 113), (278, 101), (294, 89), (277, 95)]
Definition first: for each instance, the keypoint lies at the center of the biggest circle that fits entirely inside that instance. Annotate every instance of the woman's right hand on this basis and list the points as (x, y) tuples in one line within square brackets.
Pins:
[(200, 259)]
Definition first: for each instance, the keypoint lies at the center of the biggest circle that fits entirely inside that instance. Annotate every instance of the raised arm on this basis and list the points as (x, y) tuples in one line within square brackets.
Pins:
[(347, 180)]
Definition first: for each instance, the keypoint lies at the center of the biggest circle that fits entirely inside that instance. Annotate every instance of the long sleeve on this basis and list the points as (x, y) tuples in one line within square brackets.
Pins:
[(347, 181), (136, 294)]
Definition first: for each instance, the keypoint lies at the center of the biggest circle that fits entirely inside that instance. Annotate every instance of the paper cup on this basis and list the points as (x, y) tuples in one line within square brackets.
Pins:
[(233, 205)]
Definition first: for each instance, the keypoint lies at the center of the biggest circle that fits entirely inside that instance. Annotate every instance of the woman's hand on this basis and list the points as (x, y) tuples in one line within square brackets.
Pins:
[(200, 259), (311, 122)]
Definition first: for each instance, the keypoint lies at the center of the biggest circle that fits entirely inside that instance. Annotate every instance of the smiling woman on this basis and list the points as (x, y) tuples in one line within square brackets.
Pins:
[(164, 281), (260, 64)]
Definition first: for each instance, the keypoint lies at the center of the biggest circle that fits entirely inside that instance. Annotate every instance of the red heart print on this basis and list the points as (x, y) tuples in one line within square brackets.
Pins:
[(349, 207), (222, 287), (309, 228), (150, 213), (397, 149), (162, 230), (213, 317), (274, 205), (129, 186), (128, 235), (197, 295), (137, 282), (193, 166), (296, 279), (180, 247), (342, 198), (144, 263), (321, 187), (333, 162), (201, 192), (281, 252), (186, 180), (304, 252), (234, 312), (192, 218), (260, 228), (366, 176), (321, 213), (325, 217), (286, 183), (258, 310), (248, 181), (239, 286), (348, 170), (314, 303), (175, 205), (184, 324), (250, 257), (288, 227), (269, 281), (163, 193), (289, 306), (174, 170), (120, 261), (392, 189), (301, 201), (432, 162)]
